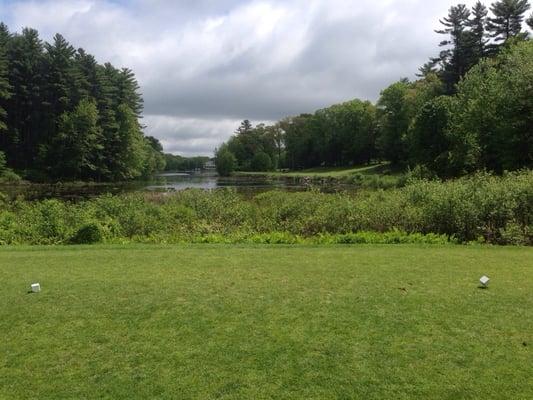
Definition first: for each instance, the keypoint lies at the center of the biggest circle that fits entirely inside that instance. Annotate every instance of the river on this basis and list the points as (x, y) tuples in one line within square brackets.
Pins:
[(167, 182)]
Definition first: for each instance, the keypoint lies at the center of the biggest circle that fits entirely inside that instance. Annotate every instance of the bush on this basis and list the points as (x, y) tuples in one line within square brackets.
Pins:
[(10, 177), (7, 175), (88, 234)]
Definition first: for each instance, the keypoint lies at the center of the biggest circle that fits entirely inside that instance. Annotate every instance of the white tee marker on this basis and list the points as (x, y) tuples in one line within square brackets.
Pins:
[(484, 280), (35, 287)]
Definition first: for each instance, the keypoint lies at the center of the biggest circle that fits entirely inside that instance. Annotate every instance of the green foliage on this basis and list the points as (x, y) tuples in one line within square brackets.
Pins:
[(395, 120), (154, 159), (507, 20), (7, 175), (88, 234), (225, 161), (64, 116), (392, 237), (250, 141), (496, 210), (180, 163), (495, 110), (5, 88), (78, 143), (429, 137), (456, 56), (3, 163), (261, 162)]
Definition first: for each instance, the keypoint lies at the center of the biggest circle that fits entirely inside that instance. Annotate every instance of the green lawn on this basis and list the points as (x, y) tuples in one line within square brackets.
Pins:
[(245, 322), (327, 172)]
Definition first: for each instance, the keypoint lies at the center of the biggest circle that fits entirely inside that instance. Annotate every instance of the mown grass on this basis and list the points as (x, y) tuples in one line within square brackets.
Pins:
[(262, 322), (326, 172)]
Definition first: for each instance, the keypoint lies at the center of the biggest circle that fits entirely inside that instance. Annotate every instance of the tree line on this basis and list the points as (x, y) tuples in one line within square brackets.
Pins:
[(471, 108), (65, 116), (180, 163)]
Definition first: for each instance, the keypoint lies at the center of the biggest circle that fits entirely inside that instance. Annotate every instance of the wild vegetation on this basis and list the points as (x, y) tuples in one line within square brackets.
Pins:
[(469, 110), (480, 208)]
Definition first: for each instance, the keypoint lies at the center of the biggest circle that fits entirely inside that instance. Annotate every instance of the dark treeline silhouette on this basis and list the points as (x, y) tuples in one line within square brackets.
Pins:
[(64, 116), (470, 109)]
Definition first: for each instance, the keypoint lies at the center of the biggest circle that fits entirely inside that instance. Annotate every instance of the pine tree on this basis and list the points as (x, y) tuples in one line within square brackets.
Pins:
[(5, 88), (427, 69), (128, 91), (477, 34), (62, 93), (99, 88), (530, 21), (59, 70), (244, 128), (508, 18), (454, 60), (24, 108)]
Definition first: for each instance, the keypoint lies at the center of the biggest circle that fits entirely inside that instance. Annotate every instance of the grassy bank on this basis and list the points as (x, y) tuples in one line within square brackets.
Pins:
[(244, 322), (326, 172), (376, 176)]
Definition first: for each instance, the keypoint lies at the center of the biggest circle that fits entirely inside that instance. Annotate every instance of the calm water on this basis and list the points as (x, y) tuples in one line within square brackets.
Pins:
[(181, 181), (168, 182)]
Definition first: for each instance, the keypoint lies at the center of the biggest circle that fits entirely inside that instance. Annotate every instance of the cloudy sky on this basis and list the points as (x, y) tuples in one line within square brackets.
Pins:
[(204, 65)]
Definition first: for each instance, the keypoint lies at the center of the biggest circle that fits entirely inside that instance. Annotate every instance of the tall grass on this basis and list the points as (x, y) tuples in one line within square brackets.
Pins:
[(481, 208)]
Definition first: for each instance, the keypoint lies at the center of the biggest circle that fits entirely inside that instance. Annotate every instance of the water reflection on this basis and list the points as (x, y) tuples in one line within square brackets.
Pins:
[(167, 182), (181, 181)]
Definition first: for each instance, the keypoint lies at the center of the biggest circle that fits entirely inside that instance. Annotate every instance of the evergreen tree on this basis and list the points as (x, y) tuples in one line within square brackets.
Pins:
[(477, 34), (24, 108), (97, 82), (58, 70), (128, 91), (507, 20), (5, 88), (427, 69), (61, 93), (530, 21), (244, 128), (454, 60), (65, 116)]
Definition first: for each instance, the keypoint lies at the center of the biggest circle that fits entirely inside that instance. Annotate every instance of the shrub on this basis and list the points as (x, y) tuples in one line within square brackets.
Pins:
[(88, 234), (10, 177)]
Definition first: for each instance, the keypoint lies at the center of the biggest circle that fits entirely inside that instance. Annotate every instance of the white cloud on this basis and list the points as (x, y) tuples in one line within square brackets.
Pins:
[(205, 65)]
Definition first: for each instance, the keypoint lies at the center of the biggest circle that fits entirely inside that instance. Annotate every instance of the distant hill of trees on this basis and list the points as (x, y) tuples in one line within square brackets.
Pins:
[(470, 109), (64, 116)]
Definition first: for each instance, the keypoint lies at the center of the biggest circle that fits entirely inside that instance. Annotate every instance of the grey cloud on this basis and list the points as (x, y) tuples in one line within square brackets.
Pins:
[(204, 65)]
